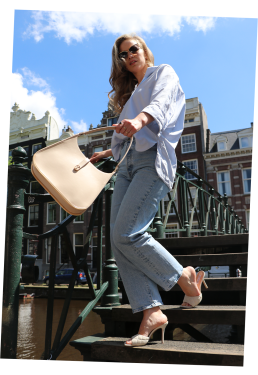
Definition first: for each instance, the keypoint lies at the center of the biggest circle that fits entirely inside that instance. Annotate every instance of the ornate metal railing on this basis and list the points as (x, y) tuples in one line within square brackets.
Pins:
[(209, 208)]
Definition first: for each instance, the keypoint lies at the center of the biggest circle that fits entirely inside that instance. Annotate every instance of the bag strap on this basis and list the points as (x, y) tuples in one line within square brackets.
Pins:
[(131, 141), (94, 131)]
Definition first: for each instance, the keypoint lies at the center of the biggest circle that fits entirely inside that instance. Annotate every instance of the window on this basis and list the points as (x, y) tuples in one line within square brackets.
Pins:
[(247, 180), (34, 215), (79, 219), (51, 213), (35, 187), (191, 164), (63, 214), (221, 146), (246, 142), (112, 121), (247, 219), (166, 202), (98, 148), (171, 234), (188, 143), (224, 183), (78, 244), (63, 255), (32, 247), (35, 148)]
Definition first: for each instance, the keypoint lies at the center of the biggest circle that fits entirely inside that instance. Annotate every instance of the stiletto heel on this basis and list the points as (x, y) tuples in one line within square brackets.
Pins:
[(140, 340), (204, 283)]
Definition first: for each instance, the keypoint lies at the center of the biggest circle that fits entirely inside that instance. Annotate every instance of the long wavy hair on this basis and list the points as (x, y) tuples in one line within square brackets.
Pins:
[(121, 80)]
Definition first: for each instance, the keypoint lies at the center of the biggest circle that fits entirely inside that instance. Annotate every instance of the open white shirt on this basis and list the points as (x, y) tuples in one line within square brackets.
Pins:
[(160, 95)]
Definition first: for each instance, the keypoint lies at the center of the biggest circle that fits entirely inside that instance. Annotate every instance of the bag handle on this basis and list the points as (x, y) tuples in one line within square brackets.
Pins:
[(107, 128)]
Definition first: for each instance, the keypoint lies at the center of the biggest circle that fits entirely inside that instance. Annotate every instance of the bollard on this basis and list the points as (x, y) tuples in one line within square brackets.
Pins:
[(18, 180)]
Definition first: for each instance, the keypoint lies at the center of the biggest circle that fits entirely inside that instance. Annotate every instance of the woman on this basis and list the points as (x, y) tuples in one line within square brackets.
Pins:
[(151, 104)]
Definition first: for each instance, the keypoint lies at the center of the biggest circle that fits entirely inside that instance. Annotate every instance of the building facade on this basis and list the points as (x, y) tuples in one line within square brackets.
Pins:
[(229, 167)]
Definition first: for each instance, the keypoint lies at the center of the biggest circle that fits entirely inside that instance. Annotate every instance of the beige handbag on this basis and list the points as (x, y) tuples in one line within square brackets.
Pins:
[(68, 175)]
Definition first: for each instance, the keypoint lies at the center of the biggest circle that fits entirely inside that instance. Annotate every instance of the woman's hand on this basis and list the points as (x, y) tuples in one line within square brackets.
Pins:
[(130, 127), (100, 155)]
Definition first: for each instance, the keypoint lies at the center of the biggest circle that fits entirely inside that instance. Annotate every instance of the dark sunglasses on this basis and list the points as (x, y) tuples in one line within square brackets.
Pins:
[(133, 49)]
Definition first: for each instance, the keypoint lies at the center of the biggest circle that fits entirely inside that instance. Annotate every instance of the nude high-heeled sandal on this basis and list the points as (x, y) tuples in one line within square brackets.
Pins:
[(140, 340), (194, 301)]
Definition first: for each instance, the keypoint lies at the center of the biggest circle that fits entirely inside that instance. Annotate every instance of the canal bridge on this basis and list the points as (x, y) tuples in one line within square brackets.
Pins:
[(221, 240)]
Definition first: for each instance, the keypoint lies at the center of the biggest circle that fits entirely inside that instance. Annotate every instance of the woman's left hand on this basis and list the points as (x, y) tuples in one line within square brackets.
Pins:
[(129, 127)]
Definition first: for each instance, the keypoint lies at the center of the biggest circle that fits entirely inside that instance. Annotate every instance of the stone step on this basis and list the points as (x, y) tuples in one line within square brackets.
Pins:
[(229, 315), (112, 349), (226, 259), (233, 243)]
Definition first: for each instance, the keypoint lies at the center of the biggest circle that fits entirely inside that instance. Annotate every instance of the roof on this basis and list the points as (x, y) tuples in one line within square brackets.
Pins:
[(231, 136)]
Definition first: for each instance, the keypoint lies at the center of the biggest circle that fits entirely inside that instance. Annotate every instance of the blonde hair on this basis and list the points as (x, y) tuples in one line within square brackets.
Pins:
[(121, 80)]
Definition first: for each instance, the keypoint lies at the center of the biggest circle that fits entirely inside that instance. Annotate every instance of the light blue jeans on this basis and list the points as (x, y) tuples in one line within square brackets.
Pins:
[(142, 262)]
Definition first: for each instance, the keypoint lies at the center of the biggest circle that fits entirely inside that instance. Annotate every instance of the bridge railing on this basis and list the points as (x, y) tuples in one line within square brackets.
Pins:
[(207, 206), (196, 201)]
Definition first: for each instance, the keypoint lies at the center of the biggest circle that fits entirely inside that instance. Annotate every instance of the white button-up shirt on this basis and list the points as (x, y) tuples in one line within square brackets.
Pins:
[(160, 95)]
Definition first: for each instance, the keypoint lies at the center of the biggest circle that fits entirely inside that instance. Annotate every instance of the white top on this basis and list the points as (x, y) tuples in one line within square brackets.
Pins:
[(160, 95)]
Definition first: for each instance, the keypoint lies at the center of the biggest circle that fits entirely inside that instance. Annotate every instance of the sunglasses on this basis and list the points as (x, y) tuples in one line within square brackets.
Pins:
[(133, 50)]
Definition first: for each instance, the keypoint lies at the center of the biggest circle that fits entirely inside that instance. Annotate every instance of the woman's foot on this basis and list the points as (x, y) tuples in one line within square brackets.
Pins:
[(189, 284), (152, 318)]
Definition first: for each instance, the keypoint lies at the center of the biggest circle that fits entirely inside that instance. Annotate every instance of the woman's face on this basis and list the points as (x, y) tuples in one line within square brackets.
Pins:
[(134, 62)]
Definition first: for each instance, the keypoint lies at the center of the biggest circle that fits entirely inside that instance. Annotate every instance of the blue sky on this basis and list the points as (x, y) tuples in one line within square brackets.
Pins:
[(62, 60)]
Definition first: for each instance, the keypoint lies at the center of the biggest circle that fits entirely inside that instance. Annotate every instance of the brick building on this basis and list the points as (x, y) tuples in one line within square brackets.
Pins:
[(228, 160)]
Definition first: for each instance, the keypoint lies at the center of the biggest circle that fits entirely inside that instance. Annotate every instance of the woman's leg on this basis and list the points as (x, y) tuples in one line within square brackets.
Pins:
[(142, 261)]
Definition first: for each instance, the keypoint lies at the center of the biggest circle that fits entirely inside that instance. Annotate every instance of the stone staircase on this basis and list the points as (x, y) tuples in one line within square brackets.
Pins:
[(223, 305)]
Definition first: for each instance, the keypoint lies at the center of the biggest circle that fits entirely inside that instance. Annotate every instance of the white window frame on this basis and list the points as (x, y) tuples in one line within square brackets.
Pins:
[(218, 183), (247, 216), (74, 234), (36, 144), (172, 226), (54, 222), (60, 217), (246, 179), (197, 169), (250, 141), (96, 147), (166, 200), (187, 135), (32, 205), (79, 221), (222, 143)]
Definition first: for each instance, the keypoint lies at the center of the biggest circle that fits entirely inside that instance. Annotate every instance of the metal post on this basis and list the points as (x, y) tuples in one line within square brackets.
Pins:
[(157, 223), (213, 212), (110, 271), (18, 180), (184, 202), (201, 207)]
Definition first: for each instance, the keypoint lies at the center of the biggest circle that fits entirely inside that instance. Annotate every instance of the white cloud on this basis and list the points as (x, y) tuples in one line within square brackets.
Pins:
[(73, 26), (35, 101), (79, 126)]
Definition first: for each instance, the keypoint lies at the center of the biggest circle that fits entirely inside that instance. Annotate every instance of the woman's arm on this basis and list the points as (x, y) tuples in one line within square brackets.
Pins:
[(130, 127), (100, 155)]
